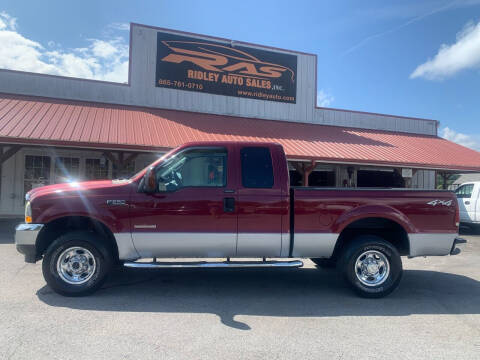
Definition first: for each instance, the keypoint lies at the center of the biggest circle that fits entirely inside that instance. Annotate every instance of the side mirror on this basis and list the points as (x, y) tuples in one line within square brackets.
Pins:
[(149, 181)]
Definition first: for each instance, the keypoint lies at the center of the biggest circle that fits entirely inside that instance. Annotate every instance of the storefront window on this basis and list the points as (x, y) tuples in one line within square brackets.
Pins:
[(37, 172), (379, 178), (125, 173), (66, 169), (322, 178), (96, 169)]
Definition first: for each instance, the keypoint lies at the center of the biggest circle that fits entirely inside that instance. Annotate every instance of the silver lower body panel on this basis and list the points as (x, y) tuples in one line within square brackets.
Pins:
[(431, 244), (220, 245), (259, 245), (314, 245), (126, 248), (178, 245)]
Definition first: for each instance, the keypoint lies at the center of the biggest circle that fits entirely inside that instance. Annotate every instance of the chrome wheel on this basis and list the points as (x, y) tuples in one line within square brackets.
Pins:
[(76, 265), (372, 268)]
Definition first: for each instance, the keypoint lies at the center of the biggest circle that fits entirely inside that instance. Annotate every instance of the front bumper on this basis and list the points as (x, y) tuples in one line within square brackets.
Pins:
[(26, 239)]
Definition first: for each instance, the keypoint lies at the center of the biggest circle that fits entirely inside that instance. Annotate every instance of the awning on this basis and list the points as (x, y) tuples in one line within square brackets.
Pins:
[(55, 122)]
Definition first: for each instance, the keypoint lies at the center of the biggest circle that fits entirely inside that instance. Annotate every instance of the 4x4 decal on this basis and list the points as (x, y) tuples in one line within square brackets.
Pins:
[(440, 202)]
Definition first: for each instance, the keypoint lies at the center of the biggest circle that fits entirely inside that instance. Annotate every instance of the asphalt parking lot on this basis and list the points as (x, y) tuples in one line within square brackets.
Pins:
[(239, 314)]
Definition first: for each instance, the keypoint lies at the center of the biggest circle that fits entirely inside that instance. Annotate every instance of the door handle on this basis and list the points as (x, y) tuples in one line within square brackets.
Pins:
[(467, 202), (229, 204)]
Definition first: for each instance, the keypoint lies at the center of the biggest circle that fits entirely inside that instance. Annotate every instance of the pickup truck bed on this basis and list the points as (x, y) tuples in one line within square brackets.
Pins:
[(422, 222)]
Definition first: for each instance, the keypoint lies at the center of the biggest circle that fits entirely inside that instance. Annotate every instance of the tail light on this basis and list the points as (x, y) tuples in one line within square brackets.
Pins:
[(457, 215)]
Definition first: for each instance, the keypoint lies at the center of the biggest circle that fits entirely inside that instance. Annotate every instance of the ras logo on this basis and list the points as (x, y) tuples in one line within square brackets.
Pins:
[(225, 68), (440, 202), (219, 58)]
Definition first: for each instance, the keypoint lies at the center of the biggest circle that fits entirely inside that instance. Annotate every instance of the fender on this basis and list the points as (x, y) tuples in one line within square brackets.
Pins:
[(59, 210), (372, 211), (48, 210), (78, 214)]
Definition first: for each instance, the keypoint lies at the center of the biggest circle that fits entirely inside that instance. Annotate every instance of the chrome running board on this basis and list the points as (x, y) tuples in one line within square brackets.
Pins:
[(206, 264)]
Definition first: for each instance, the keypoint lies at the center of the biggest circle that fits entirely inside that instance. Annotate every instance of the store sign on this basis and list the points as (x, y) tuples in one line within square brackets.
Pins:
[(192, 64)]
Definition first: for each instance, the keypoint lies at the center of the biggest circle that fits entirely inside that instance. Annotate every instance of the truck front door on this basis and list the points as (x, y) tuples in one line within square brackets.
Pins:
[(192, 213)]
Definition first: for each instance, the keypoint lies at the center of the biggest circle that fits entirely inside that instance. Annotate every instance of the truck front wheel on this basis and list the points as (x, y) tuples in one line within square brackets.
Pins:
[(77, 263), (372, 266)]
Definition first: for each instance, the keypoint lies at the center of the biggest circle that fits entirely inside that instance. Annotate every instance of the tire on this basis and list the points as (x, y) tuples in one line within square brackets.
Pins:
[(365, 249), (324, 263), (86, 263)]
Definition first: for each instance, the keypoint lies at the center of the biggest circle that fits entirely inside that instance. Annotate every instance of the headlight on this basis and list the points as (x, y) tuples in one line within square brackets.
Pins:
[(28, 213)]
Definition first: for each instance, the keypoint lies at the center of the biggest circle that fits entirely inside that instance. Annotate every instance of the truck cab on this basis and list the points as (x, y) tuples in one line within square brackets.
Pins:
[(220, 200)]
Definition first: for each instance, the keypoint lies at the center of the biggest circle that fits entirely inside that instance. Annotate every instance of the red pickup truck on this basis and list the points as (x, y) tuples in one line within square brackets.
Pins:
[(230, 200)]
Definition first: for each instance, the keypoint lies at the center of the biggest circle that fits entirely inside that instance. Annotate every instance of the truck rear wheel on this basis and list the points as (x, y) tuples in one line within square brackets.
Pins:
[(77, 263), (372, 266)]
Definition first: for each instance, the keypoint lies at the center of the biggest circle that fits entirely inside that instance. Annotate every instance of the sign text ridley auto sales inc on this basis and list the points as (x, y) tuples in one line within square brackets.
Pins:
[(187, 63)]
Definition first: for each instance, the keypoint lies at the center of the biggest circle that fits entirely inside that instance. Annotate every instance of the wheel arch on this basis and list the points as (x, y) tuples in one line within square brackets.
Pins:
[(53, 229), (373, 211), (391, 230)]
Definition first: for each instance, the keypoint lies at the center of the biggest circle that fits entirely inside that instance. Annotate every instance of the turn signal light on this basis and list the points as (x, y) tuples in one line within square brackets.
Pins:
[(28, 213)]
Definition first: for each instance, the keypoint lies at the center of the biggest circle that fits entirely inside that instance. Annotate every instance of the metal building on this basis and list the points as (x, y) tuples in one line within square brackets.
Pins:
[(189, 87)]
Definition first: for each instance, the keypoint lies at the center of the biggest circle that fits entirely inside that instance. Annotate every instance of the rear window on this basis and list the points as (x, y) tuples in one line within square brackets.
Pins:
[(257, 169)]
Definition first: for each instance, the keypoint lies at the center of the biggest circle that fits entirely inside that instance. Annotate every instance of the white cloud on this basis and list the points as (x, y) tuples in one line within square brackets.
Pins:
[(324, 99), (117, 72), (101, 59), (450, 59), (470, 141), (107, 49), (7, 22)]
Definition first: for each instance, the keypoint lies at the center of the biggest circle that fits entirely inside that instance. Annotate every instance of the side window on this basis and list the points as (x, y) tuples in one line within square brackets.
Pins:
[(464, 192), (257, 169), (193, 168)]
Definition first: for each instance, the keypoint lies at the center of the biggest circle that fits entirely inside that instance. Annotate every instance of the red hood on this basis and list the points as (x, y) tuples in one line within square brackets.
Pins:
[(74, 187)]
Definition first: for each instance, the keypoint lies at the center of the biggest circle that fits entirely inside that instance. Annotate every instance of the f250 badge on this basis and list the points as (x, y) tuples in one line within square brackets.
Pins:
[(116, 202), (440, 202)]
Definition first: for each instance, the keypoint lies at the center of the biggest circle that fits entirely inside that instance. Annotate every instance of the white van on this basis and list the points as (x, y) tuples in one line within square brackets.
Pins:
[(469, 202)]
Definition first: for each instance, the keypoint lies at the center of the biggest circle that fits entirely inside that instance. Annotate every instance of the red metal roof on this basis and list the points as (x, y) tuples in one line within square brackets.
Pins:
[(44, 121)]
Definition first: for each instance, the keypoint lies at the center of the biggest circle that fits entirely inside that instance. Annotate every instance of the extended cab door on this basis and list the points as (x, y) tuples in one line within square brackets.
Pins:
[(192, 213), (466, 202), (262, 202)]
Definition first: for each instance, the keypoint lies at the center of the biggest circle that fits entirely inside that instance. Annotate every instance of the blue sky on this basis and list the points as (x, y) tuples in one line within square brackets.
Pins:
[(412, 58)]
